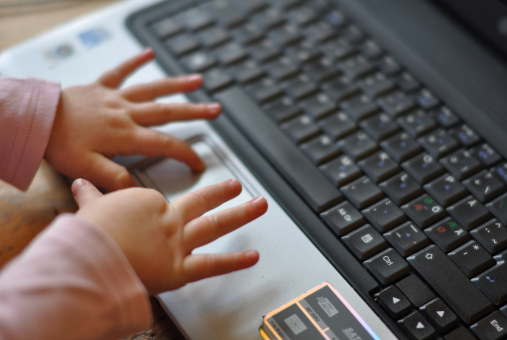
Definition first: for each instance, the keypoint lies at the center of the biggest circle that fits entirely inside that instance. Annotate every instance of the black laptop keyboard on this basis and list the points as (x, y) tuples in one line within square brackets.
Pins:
[(414, 193)]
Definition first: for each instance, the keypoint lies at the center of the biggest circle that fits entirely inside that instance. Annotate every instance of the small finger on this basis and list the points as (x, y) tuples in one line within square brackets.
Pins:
[(113, 78), (105, 173), (195, 204), (148, 114), (206, 229), (162, 87), (84, 192), (200, 266), (153, 143)]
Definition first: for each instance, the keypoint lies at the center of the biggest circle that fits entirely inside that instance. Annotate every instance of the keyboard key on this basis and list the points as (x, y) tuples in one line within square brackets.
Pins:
[(229, 54), (371, 50), (300, 129), (320, 149), (251, 6), (461, 164), (492, 236), (340, 88), (297, 169), (364, 242), (318, 106), (440, 315), (355, 67), (498, 207), (417, 123), (447, 234), (396, 104), (424, 211), (379, 166), (394, 302), (264, 50), (384, 215), (247, 71), (321, 70), (388, 66), (493, 282), (469, 212), (343, 218), (194, 19), (465, 135), (401, 147), (446, 190), (285, 4), (337, 125), (282, 68), (302, 15), (426, 100), (282, 109), (353, 35), (485, 186), (247, 34), (166, 28), (264, 90), (212, 36), (451, 284), (445, 117), (268, 19), (423, 168), (486, 154), (492, 327), (199, 62), (303, 52), (376, 85), (417, 326), (358, 145), (227, 15), (387, 266), (359, 107), (438, 143), (341, 171), (401, 188), (362, 192), (460, 333), (336, 18), (415, 290), (471, 258), (407, 239), (319, 32), (407, 83), (339, 49), (299, 87), (216, 79), (501, 171), (285, 35), (182, 44)]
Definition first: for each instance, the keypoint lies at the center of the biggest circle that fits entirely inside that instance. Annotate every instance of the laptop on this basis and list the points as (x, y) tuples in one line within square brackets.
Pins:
[(375, 129)]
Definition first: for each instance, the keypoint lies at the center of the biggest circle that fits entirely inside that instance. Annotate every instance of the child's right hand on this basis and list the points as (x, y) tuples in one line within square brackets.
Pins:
[(158, 238)]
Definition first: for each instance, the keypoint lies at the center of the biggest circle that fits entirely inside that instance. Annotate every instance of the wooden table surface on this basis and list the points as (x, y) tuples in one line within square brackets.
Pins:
[(24, 214)]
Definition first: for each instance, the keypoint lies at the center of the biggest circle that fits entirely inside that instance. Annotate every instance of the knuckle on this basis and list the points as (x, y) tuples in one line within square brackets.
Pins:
[(201, 198)]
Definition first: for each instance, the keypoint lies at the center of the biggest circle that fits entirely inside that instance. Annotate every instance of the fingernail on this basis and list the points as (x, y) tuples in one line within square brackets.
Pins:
[(259, 203), (234, 183), (147, 51), (214, 109), (194, 77), (251, 254)]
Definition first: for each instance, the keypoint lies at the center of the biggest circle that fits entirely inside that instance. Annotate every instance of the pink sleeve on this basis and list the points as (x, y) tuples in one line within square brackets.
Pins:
[(72, 282), (27, 111)]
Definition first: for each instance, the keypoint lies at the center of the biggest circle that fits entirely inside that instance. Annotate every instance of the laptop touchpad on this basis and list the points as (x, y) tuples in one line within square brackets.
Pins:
[(174, 179)]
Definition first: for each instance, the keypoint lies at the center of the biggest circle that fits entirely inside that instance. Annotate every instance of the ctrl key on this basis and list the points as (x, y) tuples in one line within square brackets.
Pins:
[(492, 327), (417, 326), (387, 266)]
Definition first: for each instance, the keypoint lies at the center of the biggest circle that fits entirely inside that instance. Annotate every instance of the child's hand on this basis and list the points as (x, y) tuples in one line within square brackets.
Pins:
[(98, 121), (158, 238)]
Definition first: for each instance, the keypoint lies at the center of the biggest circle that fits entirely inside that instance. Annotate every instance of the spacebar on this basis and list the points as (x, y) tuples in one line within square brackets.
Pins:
[(308, 181), (451, 284)]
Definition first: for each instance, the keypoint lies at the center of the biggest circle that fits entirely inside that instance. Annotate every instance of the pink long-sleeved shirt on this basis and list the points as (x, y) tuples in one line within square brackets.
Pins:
[(72, 282)]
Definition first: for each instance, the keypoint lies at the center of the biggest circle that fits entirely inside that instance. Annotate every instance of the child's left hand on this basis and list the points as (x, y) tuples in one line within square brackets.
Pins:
[(95, 122)]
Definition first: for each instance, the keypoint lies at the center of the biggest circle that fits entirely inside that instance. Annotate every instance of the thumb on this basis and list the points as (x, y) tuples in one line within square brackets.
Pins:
[(84, 192)]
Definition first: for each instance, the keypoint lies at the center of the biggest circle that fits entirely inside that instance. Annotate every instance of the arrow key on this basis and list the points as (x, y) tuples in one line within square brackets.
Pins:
[(394, 302), (417, 326), (439, 314)]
